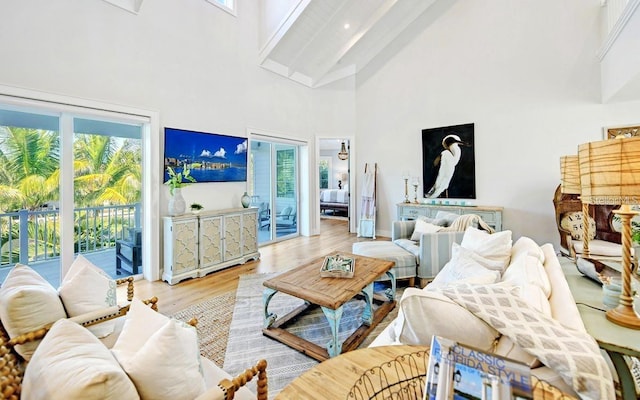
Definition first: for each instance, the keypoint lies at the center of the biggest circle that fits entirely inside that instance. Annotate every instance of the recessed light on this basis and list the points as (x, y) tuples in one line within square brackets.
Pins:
[(347, 26)]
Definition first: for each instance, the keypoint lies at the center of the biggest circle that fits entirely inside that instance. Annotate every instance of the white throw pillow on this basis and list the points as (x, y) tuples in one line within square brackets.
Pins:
[(28, 302), (494, 246), (427, 313), (86, 288), (464, 267), (161, 355), (527, 245), (423, 227), (447, 216), (71, 363)]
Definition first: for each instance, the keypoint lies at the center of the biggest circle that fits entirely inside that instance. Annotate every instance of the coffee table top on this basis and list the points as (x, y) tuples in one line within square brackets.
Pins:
[(306, 283)]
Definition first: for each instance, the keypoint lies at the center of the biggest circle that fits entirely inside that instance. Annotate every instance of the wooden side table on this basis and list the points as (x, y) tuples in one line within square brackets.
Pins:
[(396, 372)]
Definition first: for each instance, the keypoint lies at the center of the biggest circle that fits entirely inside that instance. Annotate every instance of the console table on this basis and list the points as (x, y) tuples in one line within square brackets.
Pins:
[(491, 215), (616, 340)]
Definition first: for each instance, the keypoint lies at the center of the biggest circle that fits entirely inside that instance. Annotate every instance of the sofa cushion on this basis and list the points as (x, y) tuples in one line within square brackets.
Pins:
[(71, 363), (149, 338), (562, 303), (28, 302), (599, 248), (424, 227), (529, 276), (86, 288), (464, 267), (573, 222), (494, 246), (428, 312)]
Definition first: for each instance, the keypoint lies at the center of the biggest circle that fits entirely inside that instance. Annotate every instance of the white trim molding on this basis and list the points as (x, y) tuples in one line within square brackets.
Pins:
[(133, 6), (622, 21)]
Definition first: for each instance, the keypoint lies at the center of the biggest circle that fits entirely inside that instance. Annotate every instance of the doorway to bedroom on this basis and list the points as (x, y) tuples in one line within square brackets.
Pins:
[(333, 179)]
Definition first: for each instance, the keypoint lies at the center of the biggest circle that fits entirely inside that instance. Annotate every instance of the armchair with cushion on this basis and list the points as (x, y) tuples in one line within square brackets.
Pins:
[(286, 219), (431, 246), (604, 240), (121, 352)]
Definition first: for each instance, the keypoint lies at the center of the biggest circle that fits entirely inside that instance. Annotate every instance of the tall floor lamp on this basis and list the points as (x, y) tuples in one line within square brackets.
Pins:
[(570, 184), (610, 174)]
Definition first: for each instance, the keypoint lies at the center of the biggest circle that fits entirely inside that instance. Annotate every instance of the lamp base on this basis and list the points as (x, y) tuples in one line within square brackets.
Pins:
[(624, 316)]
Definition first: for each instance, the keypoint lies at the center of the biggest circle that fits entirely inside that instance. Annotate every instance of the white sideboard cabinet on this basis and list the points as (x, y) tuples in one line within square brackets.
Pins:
[(196, 245), (491, 215)]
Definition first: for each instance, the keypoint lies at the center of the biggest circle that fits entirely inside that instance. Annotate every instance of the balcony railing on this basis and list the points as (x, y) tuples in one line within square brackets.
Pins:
[(33, 236)]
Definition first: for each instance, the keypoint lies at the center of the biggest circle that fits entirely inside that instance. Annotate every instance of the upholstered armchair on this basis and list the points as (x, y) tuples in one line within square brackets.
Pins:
[(604, 240), (287, 218), (432, 250)]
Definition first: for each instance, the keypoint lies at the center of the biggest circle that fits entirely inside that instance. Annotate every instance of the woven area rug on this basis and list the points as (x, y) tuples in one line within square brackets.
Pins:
[(214, 317), (246, 343)]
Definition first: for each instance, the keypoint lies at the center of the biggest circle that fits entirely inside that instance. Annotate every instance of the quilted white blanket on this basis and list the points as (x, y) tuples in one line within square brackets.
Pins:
[(574, 355)]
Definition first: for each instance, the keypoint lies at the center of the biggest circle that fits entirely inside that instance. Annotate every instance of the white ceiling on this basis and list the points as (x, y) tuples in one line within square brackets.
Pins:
[(313, 47)]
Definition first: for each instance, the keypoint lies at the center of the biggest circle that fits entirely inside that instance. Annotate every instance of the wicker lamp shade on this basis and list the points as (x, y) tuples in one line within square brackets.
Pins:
[(569, 175), (610, 174), (610, 171)]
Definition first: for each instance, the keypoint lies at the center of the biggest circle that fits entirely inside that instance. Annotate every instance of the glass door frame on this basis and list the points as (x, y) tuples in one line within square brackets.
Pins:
[(69, 108), (301, 150)]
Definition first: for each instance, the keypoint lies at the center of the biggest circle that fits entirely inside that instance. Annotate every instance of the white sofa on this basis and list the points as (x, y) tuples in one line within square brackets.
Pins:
[(426, 312)]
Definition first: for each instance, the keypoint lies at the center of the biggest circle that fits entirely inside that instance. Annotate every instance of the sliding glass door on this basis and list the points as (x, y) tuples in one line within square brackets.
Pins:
[(69, 185), (274, 183)]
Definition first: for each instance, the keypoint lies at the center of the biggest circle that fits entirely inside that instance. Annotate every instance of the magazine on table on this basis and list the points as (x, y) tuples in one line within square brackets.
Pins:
[(457, 371)]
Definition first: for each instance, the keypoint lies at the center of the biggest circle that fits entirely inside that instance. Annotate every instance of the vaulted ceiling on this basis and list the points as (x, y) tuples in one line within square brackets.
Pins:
[(321, 41)]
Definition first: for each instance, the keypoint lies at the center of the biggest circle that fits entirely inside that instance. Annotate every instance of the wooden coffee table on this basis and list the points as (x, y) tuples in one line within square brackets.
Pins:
[(330, 294)]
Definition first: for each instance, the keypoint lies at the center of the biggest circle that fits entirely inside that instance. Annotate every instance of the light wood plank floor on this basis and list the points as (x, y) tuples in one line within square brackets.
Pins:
[(276, 257)]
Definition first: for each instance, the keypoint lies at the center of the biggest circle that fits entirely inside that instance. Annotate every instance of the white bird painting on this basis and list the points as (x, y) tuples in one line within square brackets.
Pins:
[(446, 163)]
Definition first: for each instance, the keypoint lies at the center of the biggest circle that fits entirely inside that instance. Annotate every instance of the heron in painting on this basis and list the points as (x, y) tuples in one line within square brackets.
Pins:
[(446, 163)]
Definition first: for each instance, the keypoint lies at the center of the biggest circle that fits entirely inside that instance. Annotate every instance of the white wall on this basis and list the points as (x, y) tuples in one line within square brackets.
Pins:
[(191, 61), (525, 72)]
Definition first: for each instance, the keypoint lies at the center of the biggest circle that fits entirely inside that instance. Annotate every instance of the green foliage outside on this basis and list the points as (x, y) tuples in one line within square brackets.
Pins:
[(324, 174), (285, 173), (107, 171)]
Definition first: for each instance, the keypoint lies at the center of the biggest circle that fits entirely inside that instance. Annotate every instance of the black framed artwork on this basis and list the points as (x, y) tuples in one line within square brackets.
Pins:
[(448, 162)]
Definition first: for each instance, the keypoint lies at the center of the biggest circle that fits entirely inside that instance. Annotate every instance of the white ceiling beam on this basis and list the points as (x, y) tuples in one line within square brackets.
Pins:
[(282, 30)]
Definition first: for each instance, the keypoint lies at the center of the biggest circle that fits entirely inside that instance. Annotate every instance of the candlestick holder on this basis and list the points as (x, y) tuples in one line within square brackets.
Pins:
[(406, 189), (415, 184)]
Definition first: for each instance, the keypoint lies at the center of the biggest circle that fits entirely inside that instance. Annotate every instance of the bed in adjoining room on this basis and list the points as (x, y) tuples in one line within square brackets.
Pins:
[(334, 200)]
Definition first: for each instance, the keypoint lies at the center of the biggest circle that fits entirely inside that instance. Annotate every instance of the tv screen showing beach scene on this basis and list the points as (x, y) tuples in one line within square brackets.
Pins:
[(211, 157)]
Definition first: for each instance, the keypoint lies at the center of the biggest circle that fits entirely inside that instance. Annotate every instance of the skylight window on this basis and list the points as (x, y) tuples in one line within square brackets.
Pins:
[(227, 5)]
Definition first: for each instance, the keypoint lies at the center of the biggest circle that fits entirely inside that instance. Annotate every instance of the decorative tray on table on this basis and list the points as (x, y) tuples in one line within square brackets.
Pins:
[(338, 267)]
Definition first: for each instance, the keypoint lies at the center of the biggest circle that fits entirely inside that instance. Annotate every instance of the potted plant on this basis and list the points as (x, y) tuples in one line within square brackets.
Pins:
[(176, 182), (195, 208)]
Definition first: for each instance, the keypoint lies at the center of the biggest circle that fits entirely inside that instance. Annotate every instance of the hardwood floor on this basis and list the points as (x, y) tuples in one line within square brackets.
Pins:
[(276, 257)]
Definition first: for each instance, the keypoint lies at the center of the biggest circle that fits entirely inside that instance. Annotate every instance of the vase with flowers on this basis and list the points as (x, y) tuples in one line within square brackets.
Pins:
[(176, 181)]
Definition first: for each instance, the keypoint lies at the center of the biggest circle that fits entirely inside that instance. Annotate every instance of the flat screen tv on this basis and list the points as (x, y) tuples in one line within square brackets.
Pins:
[(210, 156)]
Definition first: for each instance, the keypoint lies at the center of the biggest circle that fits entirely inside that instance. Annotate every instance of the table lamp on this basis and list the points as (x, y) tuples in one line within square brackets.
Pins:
[(610, 174), (570, 184)]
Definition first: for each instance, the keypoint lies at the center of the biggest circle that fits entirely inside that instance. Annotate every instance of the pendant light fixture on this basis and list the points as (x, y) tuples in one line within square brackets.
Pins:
[(343, 154)]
